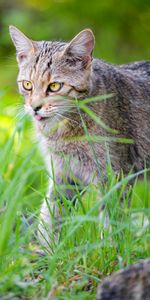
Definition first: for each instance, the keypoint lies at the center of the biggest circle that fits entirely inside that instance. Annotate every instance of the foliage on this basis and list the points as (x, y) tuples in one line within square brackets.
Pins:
[(121, 27), (87, 251)]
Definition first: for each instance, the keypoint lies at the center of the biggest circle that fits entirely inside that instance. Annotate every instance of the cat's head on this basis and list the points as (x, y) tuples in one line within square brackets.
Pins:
[(50, 69)]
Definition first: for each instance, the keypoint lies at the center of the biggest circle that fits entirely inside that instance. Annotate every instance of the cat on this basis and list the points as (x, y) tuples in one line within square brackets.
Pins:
[(132, 283), (52, 75)]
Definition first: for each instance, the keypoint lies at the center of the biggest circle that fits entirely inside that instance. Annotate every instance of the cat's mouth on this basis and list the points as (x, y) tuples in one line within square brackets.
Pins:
[(40, 118)]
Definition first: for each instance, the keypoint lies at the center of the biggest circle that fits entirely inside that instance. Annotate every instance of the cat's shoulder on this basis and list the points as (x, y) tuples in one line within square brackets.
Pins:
[(139, 69)]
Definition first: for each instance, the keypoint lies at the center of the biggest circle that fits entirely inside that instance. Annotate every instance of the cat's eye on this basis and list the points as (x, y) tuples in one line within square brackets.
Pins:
[(54, 87), (27, 85)]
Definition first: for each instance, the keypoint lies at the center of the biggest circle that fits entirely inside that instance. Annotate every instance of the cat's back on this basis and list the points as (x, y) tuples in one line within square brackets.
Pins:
[(140, 69), (132, 283), (134, 91), (129, 110)]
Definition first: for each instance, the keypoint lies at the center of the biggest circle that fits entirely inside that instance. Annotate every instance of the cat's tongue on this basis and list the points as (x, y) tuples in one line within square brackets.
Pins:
[(37, 117)]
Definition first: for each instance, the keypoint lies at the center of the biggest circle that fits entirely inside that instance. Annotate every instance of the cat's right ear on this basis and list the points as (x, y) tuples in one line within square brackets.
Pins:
[(23, 44), (81, 47)]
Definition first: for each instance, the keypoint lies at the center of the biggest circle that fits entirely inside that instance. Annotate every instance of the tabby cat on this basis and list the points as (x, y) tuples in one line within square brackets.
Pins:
[(52, 75)]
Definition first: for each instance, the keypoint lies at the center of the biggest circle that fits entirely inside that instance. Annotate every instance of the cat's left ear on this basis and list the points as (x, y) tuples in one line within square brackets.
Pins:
[(23, 44), (81, 47)]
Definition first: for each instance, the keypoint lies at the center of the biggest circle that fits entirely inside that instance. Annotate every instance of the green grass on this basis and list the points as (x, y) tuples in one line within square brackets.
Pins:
[(86, 252)]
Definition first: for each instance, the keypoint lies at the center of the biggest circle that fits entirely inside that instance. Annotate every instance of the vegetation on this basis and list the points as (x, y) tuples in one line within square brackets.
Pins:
[(87, 251)]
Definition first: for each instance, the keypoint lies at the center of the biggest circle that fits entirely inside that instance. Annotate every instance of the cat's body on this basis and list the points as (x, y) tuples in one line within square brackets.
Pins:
[(132, 283), (128, 112), (71, 71)]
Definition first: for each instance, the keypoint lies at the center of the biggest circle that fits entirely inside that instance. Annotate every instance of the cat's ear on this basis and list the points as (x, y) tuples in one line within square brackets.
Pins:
[(23, 44), (81, 47)]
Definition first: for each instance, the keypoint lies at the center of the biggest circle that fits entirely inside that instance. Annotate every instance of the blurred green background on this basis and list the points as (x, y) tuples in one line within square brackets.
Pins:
[(122, 28)]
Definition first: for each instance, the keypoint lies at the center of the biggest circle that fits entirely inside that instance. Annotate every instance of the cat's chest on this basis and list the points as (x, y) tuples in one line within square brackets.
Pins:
[(45, 150), (49, 149)]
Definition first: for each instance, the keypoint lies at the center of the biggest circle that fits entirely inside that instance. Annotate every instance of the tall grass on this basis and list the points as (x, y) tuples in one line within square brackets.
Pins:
[(87, 250)]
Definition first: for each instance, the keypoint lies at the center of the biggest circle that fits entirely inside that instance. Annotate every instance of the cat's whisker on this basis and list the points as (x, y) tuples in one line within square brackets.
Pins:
[(67, 105), (19, 105), (20, 113), (19, 108), (19, 118), (32, 134)]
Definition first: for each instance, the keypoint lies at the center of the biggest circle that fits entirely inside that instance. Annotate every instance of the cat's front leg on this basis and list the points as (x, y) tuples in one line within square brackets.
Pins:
[(51, 214), (48, 232)]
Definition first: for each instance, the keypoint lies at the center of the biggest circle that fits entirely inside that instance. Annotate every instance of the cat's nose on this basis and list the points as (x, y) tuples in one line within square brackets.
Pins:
[(37, 108)]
